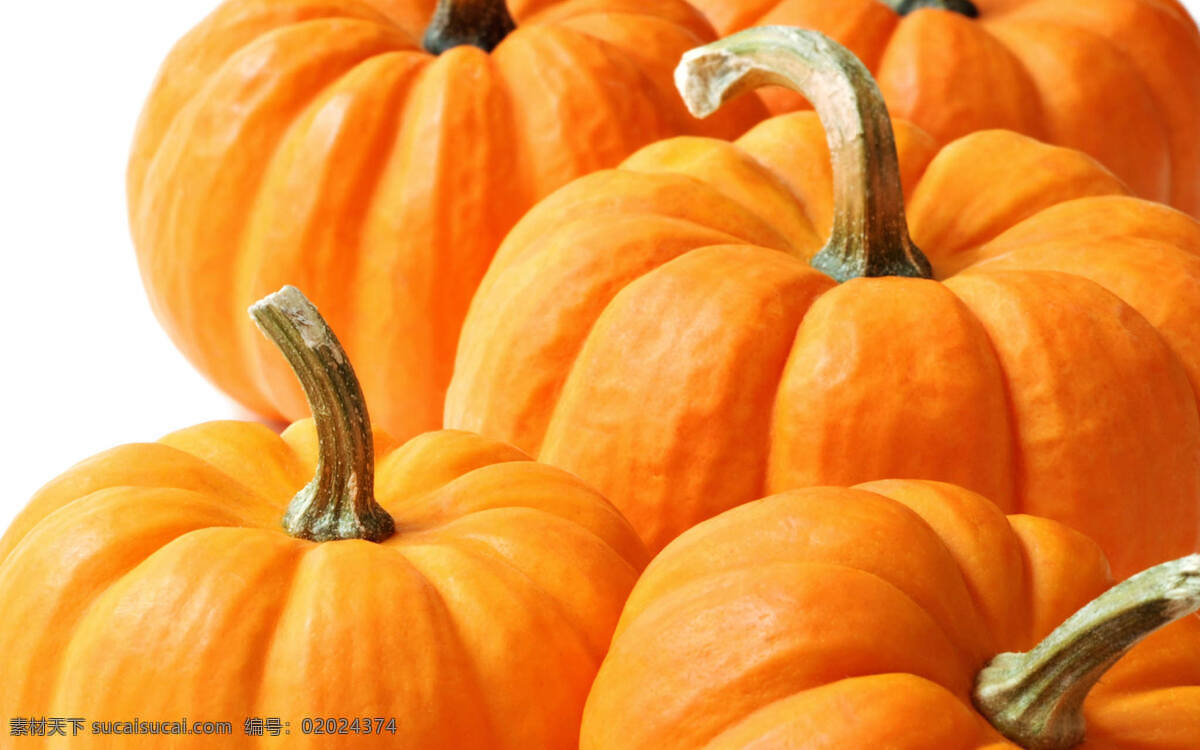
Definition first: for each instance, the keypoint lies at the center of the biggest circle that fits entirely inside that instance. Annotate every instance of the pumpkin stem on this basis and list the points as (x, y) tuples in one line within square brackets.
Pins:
[(479, 23), (1036, 698), (870, 231), (962, 7), (339, 503)]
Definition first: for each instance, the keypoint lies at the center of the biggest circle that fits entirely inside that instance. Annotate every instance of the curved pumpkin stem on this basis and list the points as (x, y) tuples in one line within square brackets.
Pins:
[(962, 7), (339, 503), (479, 23), (870, 231), (1036, 698)]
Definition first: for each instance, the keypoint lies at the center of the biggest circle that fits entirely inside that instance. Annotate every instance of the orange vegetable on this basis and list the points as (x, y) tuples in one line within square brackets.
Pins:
[(880, 616), (1117, 79), (444, 586), (314, 142), (660, 330)]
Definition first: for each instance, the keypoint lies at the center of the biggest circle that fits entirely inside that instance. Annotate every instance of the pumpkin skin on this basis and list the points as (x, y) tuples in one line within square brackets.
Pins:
[(860, 617), (658, 331), (1117, 79), (154, 581), (313, 142)]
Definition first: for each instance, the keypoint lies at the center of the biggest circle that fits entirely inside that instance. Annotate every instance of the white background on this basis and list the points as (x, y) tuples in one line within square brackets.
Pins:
[(84, 365)]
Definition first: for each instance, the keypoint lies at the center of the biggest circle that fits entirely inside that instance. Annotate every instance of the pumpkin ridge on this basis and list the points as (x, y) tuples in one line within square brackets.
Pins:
[(780, 179), (1067, 224), (1157, 122), (257, 354), (553, 12), (664, 94), (453, 618), (398, 278), (560, 49), (483, 549), (220, 287), (952, 498), (693, 166), (563, 202), (354, 257), (781, 285), (13, 535), (503, 576), (271, 637), (179, 439), (1129, 258), (503, 473), (1016, 456), (530, 250), (993, 74), (393, 469), (986, 27), (865, 508), (855, 684), (219, 70), (586, 336), (182, 547), (1138, 348), (315, 570), (678, 602), (50, 657), (58, 657), (1185, 156), (532, 264), (214, 24), (1053, 175)]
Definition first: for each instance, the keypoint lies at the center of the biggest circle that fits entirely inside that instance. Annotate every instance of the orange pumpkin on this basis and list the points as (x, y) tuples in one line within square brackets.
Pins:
[(313, 142), (876, 616), (660, 330), (1117, 79), (155, 581)]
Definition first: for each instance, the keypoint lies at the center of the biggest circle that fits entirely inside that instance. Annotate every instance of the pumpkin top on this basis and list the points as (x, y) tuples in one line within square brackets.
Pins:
[(869, 236), (480, 23)]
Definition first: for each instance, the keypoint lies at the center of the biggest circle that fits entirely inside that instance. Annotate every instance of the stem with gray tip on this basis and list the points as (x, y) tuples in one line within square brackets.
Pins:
[(339, 503), (479, 23), (1036, 698), (870, 231)]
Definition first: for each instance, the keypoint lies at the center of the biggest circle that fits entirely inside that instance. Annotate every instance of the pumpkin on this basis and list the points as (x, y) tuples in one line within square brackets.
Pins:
[(903, 614), (438, 590), (316, 143), (1117, 79), (674, 333)]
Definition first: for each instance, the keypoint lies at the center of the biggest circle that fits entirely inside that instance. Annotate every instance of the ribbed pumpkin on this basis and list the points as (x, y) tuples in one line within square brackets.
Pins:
[(887, 616), (660, 330), (1118, 79), (154, 581), (314, 142)]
